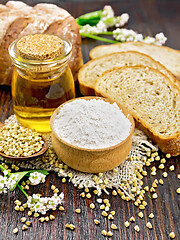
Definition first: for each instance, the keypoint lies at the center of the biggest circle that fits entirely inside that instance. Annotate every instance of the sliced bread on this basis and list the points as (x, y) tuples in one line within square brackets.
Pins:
[(152, 99), (94, 68), (168, 57)]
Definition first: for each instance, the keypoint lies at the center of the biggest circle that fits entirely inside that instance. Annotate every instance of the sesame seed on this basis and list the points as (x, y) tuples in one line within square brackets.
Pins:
[(149, 225), (82, 194), (23, 219), (163, 160), (109, 234), (168, 155), (114, 193), (136, 228), (88, 195), (140, 214), (172, 235), (154, 185), (86, 190), (164, 174), (102, 206), (132, 219), (15, 230), (110, 217), (161, 166), (154, 195), (104, 232), (41, 219), (152, 189), (141, 207), (95, 191), (63, 180), (99, 200), (104, 213), (28, 223), (96, 221), (78, 210), (21, 208), (29, 213), (106, 208), (113, 226), (46, 218), (53, 187), (178, 190), (161, 181), (126, 224), (171, 168), (16, 208), (36, 214), (61, 208), (151, 215), (112, 213), (24, 227)]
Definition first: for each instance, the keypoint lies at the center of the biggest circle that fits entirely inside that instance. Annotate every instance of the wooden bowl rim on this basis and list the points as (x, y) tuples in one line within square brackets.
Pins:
[(124, 110)]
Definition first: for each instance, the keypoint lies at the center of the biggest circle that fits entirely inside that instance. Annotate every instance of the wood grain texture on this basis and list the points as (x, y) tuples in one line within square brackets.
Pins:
[(148, 17)]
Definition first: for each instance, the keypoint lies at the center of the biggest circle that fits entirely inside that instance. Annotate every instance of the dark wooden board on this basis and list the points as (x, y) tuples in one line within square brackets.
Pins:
[(148, 17)]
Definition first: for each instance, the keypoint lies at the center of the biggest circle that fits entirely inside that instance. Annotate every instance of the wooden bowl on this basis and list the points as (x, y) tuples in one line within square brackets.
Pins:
[(91, 160)]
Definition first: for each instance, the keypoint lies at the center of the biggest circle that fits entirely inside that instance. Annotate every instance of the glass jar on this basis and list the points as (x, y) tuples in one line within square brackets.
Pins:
[(40, 86)]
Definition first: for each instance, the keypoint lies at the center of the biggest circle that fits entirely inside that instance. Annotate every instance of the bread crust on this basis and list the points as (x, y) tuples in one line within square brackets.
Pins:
[(166, 144), (86, 90), (141, 48)]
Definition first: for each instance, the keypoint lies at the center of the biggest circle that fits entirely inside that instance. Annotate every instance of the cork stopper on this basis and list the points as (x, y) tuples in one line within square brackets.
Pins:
[(40, 47)]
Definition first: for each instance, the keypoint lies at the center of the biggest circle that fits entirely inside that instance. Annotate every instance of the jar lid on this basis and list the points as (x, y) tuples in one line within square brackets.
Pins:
[(32, 54), (40, 47)]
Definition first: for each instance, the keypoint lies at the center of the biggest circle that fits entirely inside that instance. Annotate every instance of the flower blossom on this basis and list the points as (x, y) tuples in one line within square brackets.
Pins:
[(128, 35), (36, 178), (43, 204)]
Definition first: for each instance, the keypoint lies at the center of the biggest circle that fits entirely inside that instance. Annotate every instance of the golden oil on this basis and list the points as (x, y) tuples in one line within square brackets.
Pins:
[(39, 87)]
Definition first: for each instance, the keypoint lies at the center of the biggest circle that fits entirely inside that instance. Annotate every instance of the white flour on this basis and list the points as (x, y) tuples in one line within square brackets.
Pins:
[(92, 124)]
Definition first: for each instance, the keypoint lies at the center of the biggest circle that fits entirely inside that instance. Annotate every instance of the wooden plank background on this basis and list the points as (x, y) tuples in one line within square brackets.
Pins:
[(148, 17)]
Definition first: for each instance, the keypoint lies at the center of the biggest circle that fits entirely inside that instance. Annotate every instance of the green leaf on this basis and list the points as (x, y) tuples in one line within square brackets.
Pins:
[(45, 172), (98, 38), (20, 176), (27, 173), (91, 18)]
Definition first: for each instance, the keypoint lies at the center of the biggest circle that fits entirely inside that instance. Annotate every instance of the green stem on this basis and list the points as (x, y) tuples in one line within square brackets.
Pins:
[(106, 33), (98, 38), (2, 168), (22, 190), (9, 174)]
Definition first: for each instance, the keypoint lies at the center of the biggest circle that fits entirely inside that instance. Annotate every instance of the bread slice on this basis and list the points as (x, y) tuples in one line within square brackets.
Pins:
[(152, 99), (168, 57), (94, 68)]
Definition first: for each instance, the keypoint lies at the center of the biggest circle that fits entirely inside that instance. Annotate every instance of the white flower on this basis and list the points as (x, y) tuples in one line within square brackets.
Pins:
[(160, 38), (122, 20), (107, 12), (11, 181), (5, 172), (149, 40), (126, 35), (36, 178), (43, 204)]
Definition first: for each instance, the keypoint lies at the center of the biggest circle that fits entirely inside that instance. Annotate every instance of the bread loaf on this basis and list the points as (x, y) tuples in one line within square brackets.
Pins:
[(168, 57), (152, 99), (19, 19), (94, 68)]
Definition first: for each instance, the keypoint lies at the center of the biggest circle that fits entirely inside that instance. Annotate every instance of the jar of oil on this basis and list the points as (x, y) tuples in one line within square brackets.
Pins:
[(41, 80)]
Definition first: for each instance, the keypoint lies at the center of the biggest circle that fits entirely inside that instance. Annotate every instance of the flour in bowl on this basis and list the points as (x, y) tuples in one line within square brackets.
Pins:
[(91, 124)]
